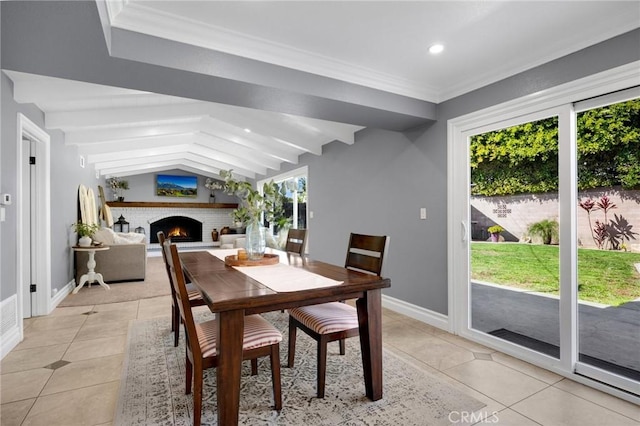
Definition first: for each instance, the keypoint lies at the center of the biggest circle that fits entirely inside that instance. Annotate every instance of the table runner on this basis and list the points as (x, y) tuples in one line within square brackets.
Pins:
[(280, 277)]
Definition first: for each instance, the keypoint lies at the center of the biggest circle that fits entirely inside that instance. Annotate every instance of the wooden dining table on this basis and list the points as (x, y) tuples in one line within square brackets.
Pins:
[(231, 295)]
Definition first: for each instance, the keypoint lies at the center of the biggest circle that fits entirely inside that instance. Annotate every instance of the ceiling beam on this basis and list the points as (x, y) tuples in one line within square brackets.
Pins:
[(70, 36)]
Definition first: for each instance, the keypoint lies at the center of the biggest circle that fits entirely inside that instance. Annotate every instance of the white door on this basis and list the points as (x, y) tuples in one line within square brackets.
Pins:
[(552, 328)]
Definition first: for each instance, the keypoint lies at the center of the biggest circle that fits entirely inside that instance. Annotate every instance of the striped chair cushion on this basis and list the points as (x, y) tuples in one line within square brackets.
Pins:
[(258, 332), (193, 293), (327, 317)]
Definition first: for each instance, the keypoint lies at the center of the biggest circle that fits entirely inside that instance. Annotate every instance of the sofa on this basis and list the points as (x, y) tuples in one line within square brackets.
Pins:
[(230, 241), (126, 259)]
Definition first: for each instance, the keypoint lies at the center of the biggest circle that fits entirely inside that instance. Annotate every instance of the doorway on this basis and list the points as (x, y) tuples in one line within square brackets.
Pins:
[(549, 327), (33, 220)]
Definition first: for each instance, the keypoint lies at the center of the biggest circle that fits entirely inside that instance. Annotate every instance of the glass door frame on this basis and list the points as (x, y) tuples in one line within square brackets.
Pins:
[(582, 106), (556, 101)]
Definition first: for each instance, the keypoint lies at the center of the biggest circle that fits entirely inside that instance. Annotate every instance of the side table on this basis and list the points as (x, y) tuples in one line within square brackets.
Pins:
[(91, 275)]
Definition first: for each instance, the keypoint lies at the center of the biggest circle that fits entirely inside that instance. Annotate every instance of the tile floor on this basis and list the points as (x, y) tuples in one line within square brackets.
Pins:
[(67, 372)]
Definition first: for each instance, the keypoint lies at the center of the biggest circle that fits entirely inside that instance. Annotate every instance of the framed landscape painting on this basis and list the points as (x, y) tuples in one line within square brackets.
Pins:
[(176, 186)]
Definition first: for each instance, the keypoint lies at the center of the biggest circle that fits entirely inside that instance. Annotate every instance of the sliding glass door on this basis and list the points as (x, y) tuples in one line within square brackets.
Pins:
[(545, 234), (514, 249), (608, 157)]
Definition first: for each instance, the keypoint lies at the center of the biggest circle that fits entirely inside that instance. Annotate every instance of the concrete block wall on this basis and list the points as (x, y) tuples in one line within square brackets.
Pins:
[(516, 212)]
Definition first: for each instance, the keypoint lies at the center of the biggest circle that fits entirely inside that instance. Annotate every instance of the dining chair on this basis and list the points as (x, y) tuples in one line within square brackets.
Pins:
[(195, 298), (328, 322), (260, 339), (296, 240)]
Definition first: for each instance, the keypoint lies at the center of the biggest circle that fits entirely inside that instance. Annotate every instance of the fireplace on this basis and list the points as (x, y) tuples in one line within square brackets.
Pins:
[(180, 229)]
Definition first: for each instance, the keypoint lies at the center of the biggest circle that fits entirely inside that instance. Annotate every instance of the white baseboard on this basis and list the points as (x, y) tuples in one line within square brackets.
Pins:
[(9, 327), (61, 294), (416, 312), (10, 340)]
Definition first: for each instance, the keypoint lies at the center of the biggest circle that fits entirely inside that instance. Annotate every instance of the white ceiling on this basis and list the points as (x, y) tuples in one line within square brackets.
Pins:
[(382, 45)]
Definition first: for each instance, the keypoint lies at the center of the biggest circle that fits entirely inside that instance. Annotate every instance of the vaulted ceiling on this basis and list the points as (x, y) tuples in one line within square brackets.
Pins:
[(126, 132), (295, 75)]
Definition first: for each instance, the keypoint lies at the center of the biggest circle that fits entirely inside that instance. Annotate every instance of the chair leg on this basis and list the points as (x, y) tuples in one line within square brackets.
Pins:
[(322, 365), (176, 328), (275, 376), (173, 316), (254, 366), (197, 396), (292, 343), (188, 376), (342, 347)]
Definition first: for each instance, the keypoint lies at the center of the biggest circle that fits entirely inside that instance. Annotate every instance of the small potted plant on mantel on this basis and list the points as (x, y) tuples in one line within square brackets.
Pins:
[(85, 232), (118, 185), (212, 185), (495, 232)]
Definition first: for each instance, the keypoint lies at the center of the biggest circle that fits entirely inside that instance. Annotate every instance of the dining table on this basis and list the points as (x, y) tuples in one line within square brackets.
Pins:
[(234, 292)]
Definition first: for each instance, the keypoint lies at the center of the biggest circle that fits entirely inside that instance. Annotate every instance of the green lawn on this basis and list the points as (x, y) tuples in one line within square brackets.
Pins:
[(607, 277)]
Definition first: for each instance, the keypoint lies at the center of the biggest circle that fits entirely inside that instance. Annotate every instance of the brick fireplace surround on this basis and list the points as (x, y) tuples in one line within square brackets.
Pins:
[(143, 214)]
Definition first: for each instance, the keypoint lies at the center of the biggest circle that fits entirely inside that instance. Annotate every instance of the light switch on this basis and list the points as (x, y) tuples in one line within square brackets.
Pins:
[(423, 213), (3, 214), (310, 215)]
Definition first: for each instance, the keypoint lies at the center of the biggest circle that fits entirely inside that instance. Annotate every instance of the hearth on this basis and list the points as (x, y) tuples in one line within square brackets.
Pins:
[(180, 229)]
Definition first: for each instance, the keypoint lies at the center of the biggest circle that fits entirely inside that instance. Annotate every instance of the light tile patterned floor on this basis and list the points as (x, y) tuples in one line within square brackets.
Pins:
[(67, 372)]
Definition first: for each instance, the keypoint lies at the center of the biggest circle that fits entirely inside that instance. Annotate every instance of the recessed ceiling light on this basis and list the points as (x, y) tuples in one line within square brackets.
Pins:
[(436, 48), (247, 130)]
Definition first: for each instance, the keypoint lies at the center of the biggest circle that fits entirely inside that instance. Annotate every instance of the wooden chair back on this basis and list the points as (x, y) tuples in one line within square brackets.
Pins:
[(182, 298), (366, 253), (162, 239), (296, 240)]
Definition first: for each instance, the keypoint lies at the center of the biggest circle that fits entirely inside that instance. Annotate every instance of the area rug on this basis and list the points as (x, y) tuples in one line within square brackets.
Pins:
[(153, 383), (155, 284)]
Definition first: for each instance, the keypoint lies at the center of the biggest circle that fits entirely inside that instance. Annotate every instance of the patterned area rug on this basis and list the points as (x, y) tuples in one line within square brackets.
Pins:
[(153, 382)]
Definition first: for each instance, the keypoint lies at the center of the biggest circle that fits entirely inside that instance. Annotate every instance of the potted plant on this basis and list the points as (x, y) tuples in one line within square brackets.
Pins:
[(495, 232), (546, 229), (118, 185), (212, 185), (85, 232)]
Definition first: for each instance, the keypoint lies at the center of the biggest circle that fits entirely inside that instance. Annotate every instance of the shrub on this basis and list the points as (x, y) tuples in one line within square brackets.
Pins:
[(546, 229)]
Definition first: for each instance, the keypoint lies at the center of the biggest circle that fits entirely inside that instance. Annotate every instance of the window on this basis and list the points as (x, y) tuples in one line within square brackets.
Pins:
[(293, 186)]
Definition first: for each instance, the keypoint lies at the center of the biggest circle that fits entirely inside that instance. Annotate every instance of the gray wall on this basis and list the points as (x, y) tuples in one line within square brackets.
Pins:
[(66, 176), (143, 188), (377, 186)]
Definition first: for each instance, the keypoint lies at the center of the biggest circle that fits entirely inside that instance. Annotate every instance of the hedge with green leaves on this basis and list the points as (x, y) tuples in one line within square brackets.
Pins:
[(524, 158)]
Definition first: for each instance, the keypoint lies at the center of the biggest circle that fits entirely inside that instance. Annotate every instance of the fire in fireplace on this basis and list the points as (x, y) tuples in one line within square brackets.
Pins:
[(180, 229), (178, 232)]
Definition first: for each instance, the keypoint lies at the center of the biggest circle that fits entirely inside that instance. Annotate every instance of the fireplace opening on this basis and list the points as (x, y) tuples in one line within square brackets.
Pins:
[(180, 229)]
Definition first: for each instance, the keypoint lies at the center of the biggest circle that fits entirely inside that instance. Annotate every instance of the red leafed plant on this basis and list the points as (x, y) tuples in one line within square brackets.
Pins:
[(609, 232)]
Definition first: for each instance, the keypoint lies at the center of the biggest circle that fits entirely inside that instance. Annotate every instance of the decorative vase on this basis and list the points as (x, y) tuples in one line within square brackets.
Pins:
[(214, 234), (212, 198), (495, 238), (120, 199), (256, 240), (84, 241)]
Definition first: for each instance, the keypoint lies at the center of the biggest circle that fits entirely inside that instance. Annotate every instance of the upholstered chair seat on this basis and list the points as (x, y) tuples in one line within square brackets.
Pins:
[(327, 317)]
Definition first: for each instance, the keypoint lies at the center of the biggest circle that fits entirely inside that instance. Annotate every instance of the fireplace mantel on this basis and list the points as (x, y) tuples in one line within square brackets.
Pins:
[(153, 204)]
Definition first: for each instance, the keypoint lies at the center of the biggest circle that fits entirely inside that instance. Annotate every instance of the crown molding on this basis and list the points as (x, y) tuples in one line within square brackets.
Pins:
[(137, 17)]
